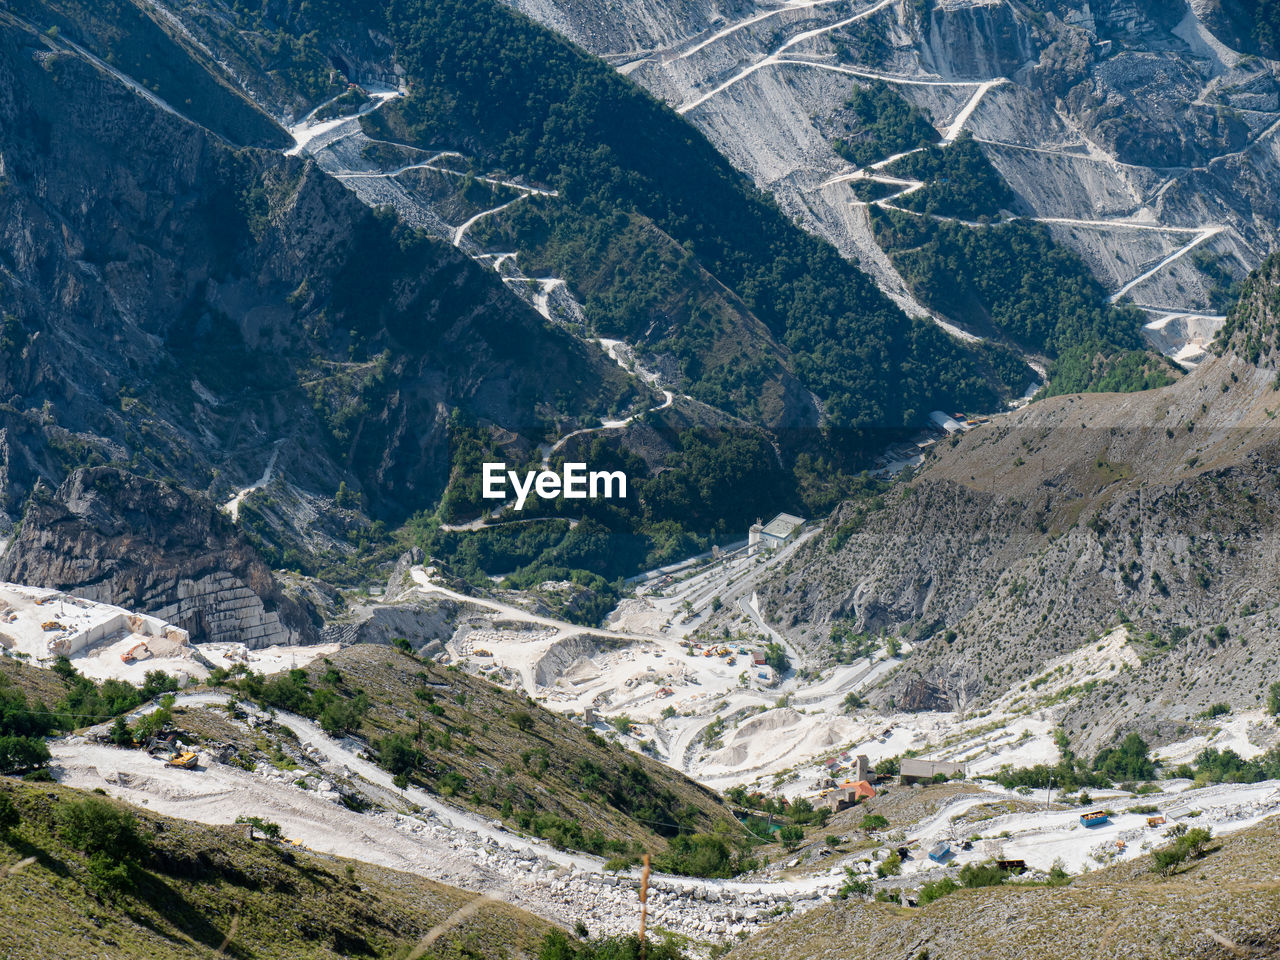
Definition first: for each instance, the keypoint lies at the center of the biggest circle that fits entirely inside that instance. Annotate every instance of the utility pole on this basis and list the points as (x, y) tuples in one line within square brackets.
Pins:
[(644, 902), (1048, 793)]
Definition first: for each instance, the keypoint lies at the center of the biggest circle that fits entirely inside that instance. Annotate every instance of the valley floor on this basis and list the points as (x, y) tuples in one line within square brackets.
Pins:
[(723, 732)]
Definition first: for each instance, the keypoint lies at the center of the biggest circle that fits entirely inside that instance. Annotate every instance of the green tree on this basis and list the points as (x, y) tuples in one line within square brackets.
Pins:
[(97, 826), (1129, 761), (397, 753), (791, 836), (121, 735), (18, 754), (775, 655)]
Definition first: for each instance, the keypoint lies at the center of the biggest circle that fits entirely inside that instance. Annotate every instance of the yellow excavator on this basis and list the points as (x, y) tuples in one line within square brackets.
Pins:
[(186, 760)]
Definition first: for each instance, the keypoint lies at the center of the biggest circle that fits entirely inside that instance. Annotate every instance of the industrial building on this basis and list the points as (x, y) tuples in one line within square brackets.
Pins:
[(944, 422), (776, 533), (916, 771)]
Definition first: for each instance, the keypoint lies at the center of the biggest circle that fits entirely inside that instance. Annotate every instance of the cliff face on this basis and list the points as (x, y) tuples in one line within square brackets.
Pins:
[(627, 29), (968, 40), (202, 310), (117, 538), (1036, 533)]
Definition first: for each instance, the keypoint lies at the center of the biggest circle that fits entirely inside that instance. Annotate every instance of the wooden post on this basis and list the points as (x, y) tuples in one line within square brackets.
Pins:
[(644, 902)]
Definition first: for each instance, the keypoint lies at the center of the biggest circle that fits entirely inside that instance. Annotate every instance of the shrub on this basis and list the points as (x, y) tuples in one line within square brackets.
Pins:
[(9, 816), (108, 875), (982, 875), (891, 867), (874, 821), (852, 884), (937, 890), (451, 783), (702, 855), (94, 825), (397, 754), (1188, 845), (556, 945), (265, 827)]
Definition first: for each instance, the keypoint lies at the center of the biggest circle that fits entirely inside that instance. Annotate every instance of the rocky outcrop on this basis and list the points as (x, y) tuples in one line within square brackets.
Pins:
[(921, 695), (400, 580), (110, 536), (1033, 535), (976, 40), (560, 656), (426, 624)]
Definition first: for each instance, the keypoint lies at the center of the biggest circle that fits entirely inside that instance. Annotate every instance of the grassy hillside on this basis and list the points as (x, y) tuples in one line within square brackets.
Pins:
[(1226, 904), (502, 755), (81, 876)]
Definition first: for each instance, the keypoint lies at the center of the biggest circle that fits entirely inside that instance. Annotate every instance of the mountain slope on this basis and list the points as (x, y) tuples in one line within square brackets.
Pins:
[(1027, 537), (634, 184), (115, 537), (500, 754), (185, 890), (1140, 141), (210, 313), (1222, 906)]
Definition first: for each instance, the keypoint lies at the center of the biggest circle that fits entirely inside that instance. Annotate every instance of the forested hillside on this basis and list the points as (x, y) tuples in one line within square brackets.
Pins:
[(530, 103), (949, 222), (658, 236), (1012, 280), (804, 370)]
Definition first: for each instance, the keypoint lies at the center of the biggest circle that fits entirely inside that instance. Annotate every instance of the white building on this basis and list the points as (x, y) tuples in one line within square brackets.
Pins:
[(944, 422), (774, 534)]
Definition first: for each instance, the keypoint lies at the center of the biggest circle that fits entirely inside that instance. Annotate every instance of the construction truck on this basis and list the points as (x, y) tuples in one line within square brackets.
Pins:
[(185, 760)]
